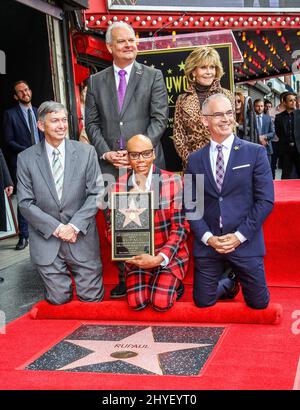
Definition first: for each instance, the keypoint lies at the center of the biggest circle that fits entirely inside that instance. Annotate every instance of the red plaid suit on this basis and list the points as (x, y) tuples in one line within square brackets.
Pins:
[(158, 285)]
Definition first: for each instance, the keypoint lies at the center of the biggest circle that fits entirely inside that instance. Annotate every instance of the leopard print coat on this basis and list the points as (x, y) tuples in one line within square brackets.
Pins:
[(189, 134)]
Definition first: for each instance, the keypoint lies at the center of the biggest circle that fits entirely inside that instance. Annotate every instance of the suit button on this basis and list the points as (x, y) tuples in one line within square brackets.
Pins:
[(121, 123), (220, 199)]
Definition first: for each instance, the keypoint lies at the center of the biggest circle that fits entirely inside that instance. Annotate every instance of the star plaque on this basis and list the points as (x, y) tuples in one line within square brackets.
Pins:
[(132, 224)]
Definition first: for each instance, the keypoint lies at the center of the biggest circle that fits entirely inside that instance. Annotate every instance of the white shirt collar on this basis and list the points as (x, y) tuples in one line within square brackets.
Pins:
[(227, 143), (127, 69), (61, 148), (148, 180)]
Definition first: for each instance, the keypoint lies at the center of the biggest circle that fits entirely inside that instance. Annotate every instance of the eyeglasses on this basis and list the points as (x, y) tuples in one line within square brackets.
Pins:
[(219, 115), (145, 154)]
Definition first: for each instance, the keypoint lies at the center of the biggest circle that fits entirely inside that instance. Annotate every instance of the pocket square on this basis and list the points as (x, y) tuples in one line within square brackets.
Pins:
[(241, 166)]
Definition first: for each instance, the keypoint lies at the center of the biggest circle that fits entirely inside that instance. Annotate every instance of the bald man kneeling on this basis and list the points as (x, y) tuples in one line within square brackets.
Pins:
[(156, 280)]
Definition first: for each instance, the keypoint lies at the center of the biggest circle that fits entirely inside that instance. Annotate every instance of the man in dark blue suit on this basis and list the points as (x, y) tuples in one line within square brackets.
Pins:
[(20, 132), (265, 127), (238, 197)]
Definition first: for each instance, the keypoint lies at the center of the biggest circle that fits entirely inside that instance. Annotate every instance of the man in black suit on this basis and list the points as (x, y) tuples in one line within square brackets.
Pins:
[(287, 127), (20, 132)]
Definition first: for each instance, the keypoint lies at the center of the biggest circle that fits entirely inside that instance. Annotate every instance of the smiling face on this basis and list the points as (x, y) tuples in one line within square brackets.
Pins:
[(205, 73), (138, 144), (23, 93), (221, 125), (55, 127), (123, 46)]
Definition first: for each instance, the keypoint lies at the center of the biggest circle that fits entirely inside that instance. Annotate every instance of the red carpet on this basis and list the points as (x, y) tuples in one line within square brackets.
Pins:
[(248, 357), (226, 312)]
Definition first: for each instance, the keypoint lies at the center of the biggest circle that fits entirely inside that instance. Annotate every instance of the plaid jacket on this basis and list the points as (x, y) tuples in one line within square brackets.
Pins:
[(171, 227)]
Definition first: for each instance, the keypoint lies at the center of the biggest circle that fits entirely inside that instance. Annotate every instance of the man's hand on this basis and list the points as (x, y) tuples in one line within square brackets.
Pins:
[(229, 243), (224, 244), (67, 233), (119, 159), (263, 140), (145, 261), (9, 190)]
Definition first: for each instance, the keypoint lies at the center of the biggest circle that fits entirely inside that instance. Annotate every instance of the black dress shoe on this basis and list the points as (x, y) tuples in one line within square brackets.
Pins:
[(180, 291), (21, 244), (118, 291), (231, 293)]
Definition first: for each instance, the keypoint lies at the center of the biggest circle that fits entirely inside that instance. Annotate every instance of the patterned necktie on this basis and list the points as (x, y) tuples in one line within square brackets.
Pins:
[(220, 170), (31, 127), (121, 88), (58, 172)]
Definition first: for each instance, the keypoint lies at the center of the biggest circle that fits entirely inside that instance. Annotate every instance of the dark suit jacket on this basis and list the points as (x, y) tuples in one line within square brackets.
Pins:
[(282, 130), (144, 111), (268, 130), (246, 198), (5, 181), (16, 135)]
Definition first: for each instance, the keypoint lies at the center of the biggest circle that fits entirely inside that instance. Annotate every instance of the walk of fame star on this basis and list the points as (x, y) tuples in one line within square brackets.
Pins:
[(139, 349), (132, 214)]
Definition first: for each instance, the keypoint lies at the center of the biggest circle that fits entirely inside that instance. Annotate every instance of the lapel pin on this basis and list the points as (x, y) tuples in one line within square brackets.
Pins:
[(236, 147)]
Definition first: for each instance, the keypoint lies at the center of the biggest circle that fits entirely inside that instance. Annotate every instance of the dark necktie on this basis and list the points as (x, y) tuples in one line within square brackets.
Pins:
[(259, 124), (121, 88), (31, 127)]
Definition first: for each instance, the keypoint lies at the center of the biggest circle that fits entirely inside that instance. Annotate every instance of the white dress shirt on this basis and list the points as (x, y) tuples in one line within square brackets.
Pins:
[(116, 72), (62, 149), (213, 152)]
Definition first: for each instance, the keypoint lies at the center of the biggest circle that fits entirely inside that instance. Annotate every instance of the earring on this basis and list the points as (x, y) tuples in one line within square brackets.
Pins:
[(194, 78)]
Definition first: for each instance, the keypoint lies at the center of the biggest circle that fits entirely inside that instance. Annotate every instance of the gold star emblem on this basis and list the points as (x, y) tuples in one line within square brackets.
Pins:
[(169, 71), (132, 214), (181, 66)]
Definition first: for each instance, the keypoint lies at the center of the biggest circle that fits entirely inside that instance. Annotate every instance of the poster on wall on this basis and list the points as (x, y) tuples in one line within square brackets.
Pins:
[(205, 5), (171, 62)]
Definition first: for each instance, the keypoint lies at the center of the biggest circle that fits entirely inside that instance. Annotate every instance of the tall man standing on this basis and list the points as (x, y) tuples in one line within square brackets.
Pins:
[(20, 132), (265, 127), (123, 100), (58, 184), (238, 197), (287, 127)]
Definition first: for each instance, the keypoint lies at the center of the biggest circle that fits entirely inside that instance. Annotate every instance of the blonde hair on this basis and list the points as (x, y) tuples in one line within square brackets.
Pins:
[(202, 55)]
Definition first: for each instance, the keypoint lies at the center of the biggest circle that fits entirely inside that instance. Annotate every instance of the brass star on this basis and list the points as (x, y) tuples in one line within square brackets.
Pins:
[(132, 214), (169, 71)]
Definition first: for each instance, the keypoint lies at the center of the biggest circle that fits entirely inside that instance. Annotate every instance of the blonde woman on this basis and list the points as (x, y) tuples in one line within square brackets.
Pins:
[(203, 70)]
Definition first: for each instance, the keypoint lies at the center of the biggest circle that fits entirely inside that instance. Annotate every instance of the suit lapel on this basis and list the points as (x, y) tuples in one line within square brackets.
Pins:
[(207, 166), (71, 159), (135, 76), (232, 161), (112, 94), (44, 166), (22, 118)]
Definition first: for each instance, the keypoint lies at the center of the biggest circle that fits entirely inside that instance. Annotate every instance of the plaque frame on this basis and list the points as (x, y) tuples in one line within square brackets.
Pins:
[(115, 231)]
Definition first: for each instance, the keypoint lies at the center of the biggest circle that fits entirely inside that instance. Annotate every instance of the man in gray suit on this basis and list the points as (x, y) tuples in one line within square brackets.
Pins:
[(123, 100), (59, 182)]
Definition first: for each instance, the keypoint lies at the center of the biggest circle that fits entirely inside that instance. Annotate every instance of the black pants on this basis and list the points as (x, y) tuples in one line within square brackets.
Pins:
[(291, 159)]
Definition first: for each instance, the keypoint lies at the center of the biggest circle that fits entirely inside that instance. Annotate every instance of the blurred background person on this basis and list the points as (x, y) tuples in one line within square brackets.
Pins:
[(203, 70), (83, 135), (6, 186), (267, 106), (265, 127), (245, 118), (276, 160)]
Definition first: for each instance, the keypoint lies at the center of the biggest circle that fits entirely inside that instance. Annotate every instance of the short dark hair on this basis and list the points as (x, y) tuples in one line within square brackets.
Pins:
[(20, 82), (267, 102), (258, 100), (287, 94)]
